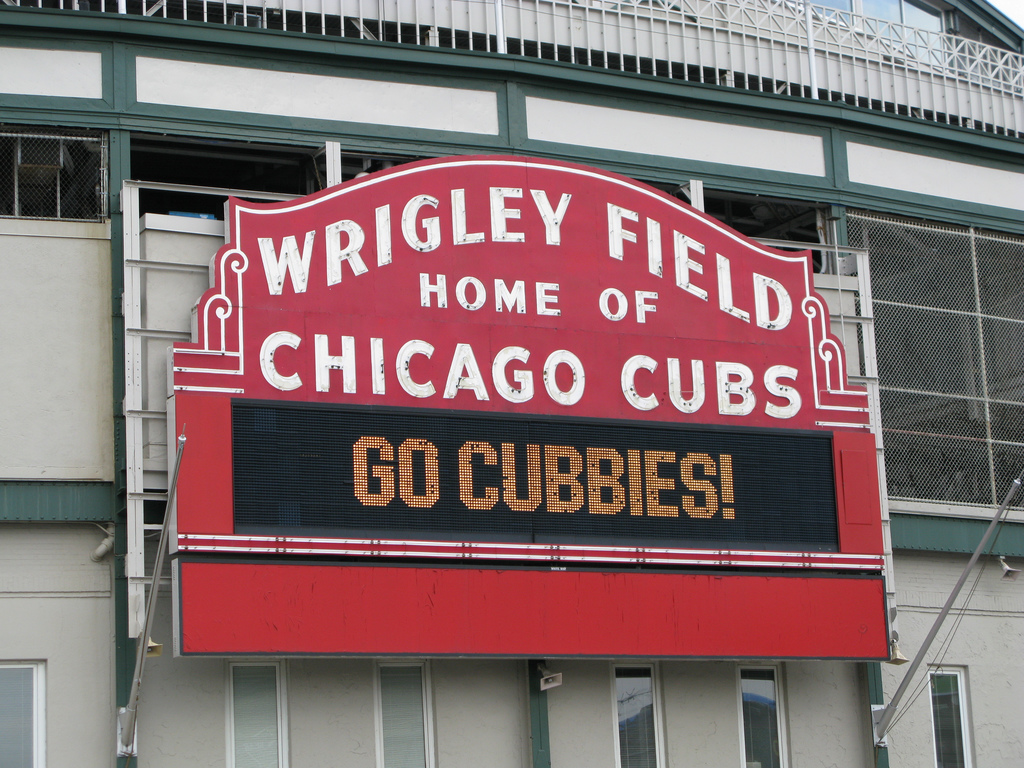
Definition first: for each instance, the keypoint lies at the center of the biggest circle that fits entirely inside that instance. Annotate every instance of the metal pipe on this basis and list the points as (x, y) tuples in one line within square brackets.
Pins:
[(885, 716), (812, 54), (499, 25), (126, 716)]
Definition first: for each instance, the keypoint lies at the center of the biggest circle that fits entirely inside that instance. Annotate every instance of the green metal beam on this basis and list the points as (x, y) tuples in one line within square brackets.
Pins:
[(56, 501), (953, 534), (876, 696), (120, 170), (539, 737)]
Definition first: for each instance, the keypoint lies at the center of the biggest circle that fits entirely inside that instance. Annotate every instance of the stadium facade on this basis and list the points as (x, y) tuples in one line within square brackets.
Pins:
[(609, 234)]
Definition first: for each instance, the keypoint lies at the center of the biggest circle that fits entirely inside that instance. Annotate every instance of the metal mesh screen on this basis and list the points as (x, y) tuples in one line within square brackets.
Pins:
[(949, 321), (52, 175)]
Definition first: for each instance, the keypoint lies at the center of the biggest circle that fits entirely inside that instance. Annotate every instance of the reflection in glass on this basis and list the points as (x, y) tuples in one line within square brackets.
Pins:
[(760, 718), (634, 698), (948, 721)]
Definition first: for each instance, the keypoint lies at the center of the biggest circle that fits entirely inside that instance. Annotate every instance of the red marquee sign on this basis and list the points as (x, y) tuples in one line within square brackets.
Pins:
[(464, 394)]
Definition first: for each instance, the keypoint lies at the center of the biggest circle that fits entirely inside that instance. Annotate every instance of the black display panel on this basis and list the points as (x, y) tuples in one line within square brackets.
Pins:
[(362, 472)]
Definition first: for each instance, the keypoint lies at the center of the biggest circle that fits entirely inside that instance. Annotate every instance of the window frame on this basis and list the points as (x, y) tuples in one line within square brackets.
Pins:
[(282, 709), (960, 673), (38, 707), (659, 731), (780, 711), (428, 709)]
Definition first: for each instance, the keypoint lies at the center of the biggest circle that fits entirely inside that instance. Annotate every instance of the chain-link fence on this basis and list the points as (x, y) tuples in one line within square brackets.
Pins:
[(46, 174), (949, 320)]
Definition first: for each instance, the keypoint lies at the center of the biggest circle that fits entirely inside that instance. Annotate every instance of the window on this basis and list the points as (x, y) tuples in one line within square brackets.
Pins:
[(913, 14), (22, 723), (763, 735), (404, 733), (257, 736), (636, 713), (949, 719), (52, 174)]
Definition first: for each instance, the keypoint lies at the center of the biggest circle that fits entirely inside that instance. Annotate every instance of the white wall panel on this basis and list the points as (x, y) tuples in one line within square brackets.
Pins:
[(56, 422), (480, 713), (318, 97), (987, 643), (55, 607), (909, 172), (685, 138), (581, 715), (35, 72)]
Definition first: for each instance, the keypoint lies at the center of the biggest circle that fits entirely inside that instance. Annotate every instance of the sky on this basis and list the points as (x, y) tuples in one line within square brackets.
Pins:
[(1012, 8)]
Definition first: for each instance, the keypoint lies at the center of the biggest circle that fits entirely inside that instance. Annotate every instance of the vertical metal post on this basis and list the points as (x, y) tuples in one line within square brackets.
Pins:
[(17, 176), (499, 25), (332, 154), (539, 735), (694, 191), (812, 55)]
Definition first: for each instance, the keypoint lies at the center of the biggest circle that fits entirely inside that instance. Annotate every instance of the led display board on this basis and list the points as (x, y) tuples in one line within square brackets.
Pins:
[(433, 475), (475, 382)]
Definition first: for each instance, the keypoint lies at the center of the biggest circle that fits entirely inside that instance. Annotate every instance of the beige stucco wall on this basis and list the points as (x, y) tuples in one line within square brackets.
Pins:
[(56, 422), (702, 717), (479, 710), (824, 705), (56, 607), (988, 644)]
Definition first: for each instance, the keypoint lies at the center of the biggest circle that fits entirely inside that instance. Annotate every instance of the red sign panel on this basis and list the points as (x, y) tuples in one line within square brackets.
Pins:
[(492, 361)]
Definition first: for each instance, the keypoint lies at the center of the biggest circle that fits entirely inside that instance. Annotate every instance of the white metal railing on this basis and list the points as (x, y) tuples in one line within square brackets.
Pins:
[(776, 46)]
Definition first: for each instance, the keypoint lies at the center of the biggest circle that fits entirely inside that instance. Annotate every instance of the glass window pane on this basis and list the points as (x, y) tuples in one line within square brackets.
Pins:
[(634, 698), (841, 5), (883, 9), (254, 697), (921, 16), (401, 700), (16, 717), (760, 718), (946, 715)]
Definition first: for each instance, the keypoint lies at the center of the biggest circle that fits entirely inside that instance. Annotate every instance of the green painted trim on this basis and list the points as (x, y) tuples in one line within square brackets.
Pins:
[(842, 232), (540, 738), (953, 534), (158, 118), (669, 169), (510, 77), (876, 696), (517, 127), (56, 500), (271, 45), (124, 646), (101, 47), (957, 212)]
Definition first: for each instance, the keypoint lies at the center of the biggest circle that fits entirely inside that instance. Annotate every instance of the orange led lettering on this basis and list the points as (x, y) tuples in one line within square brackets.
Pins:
[(596, 480), (556, 479), (534, 487), (699, 484), (728, 494), (655, 483), (466, 452), (361, 473), (636, 488), (432, 491)]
